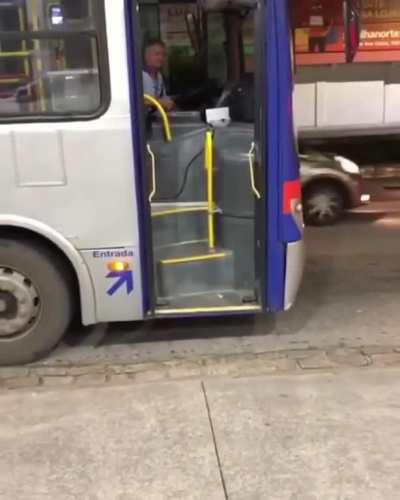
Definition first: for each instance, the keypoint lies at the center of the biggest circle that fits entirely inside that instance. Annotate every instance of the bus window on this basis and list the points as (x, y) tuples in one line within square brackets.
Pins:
[(55, 69)]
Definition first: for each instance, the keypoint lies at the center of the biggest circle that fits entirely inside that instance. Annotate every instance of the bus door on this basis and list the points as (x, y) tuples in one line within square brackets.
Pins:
[(220, 202)]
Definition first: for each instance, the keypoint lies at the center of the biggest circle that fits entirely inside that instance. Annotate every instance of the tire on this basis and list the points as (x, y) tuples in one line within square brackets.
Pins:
[(323, 205), (36, 303)]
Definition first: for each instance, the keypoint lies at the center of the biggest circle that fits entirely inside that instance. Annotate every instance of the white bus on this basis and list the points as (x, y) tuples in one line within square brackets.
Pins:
[(102, 217)]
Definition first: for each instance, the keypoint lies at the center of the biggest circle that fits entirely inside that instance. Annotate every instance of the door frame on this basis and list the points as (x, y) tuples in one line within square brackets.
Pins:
[(270, 252), (261, 151), (141, 174)]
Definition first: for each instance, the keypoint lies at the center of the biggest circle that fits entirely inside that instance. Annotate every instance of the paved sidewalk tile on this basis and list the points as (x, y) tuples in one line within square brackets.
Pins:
[(142, 442), (386, 359), (313, 436), (348, 358), (316, 361)]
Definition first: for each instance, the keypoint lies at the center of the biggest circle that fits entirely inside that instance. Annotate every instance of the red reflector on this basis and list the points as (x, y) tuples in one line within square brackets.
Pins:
[(291, 192)]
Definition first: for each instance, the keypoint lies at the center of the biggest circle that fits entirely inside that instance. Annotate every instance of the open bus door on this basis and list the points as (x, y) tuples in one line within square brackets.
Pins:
[(224, 201)]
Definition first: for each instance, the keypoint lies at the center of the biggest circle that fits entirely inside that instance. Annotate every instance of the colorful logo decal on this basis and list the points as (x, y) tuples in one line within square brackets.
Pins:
[(122, 275)]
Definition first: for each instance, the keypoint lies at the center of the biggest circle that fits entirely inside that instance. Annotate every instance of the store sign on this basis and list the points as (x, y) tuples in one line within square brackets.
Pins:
[(323, 42), (376, 11), (381, 37), (173, 24)]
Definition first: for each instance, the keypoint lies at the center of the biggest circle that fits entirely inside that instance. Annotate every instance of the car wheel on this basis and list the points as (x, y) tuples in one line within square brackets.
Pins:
[(323, 205), (36, 303)]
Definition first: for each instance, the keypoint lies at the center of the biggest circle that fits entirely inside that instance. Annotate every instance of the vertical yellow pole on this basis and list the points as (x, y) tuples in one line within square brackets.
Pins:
[(38, 55), (22, 27), (209, 164)]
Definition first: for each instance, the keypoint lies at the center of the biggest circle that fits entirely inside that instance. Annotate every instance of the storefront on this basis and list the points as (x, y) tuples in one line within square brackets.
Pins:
[(319, 32)]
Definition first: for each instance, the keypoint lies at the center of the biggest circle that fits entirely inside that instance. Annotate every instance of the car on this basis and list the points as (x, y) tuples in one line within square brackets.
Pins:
[(331, 184)]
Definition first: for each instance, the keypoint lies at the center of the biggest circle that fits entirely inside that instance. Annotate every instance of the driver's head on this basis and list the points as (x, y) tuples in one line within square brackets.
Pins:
[(155, 55)]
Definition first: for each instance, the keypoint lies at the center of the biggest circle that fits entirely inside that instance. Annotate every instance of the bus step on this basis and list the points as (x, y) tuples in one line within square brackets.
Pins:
[(174, 228), (223, 301), (197, 272)]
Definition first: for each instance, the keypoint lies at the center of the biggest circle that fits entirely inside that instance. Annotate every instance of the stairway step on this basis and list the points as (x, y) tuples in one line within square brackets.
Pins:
[(176, 209), (194, 269), (183, 249), (221, 300), (184, 222)]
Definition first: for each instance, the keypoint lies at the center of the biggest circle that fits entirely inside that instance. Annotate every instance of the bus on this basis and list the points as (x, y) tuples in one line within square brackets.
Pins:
[(112, 216)]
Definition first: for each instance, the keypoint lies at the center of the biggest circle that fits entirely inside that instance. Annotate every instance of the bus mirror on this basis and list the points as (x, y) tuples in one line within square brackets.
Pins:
[(227, 5), (75, 10), (352, 28)]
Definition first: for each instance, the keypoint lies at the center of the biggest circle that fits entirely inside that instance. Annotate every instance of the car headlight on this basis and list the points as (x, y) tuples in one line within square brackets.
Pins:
[(347, 165)]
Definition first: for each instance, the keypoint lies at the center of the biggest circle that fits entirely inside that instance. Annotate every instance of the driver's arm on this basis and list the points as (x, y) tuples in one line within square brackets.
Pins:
[(148, 88)]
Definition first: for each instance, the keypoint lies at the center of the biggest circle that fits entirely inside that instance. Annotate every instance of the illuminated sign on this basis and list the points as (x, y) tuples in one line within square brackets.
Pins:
[(320, 35)]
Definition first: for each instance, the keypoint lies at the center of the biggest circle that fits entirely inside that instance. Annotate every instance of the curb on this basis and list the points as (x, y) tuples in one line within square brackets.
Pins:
[(237, 365)]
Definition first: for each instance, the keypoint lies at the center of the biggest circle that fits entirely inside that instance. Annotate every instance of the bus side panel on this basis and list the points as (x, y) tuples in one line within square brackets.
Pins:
[(284, 227), (117, 291), (78, 179)]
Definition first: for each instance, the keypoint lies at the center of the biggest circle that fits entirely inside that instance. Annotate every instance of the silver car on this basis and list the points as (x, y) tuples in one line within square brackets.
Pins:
[(331, 184)]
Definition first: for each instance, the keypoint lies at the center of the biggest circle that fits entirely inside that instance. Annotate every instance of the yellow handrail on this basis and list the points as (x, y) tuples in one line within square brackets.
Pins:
[(21, 18), (193, 258), (164, 117), (209, 165), (179, 211), (250, 155), (153, 173), (17, 53), (7, 81)]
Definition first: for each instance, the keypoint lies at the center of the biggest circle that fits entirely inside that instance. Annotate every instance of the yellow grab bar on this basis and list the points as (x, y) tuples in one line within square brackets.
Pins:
[(153, 173), (5, 81), (193, 258), (17, 53), (164, 117), (209, 165), (252, 176), (178, 211)]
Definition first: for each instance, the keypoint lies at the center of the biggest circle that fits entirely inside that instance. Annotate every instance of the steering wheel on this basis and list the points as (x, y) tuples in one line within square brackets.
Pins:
[(155, 103), (199, 97), (224, 97), (239, 97)]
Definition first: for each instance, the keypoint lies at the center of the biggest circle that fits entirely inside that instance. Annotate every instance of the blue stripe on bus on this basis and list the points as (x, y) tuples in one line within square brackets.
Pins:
[(282, 155), (138, 166)]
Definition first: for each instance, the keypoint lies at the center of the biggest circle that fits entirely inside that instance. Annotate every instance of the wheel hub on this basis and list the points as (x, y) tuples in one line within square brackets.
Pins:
[(3, 304), (19, 303), (322, 206)]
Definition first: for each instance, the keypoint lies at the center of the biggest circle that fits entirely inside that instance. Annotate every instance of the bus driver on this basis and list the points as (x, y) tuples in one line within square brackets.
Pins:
[(153, 82)]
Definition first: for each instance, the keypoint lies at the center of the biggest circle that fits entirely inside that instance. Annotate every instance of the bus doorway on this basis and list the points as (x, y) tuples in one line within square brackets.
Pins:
[(204, 196), (214, 191)]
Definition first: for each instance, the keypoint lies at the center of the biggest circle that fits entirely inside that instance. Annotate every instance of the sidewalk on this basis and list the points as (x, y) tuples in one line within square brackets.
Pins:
[(307, 436)]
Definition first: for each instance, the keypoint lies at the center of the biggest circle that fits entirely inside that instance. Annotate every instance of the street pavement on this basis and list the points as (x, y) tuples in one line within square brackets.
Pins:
[(317, 436)]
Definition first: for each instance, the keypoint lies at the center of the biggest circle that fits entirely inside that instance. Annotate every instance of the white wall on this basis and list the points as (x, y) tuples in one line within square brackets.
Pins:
[(336, 104)]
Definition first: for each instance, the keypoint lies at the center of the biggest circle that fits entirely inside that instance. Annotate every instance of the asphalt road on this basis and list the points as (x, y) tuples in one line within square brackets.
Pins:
[(349, 297)]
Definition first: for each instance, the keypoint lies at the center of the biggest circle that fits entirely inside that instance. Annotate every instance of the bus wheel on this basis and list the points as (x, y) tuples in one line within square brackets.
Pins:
[(36, 304)]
